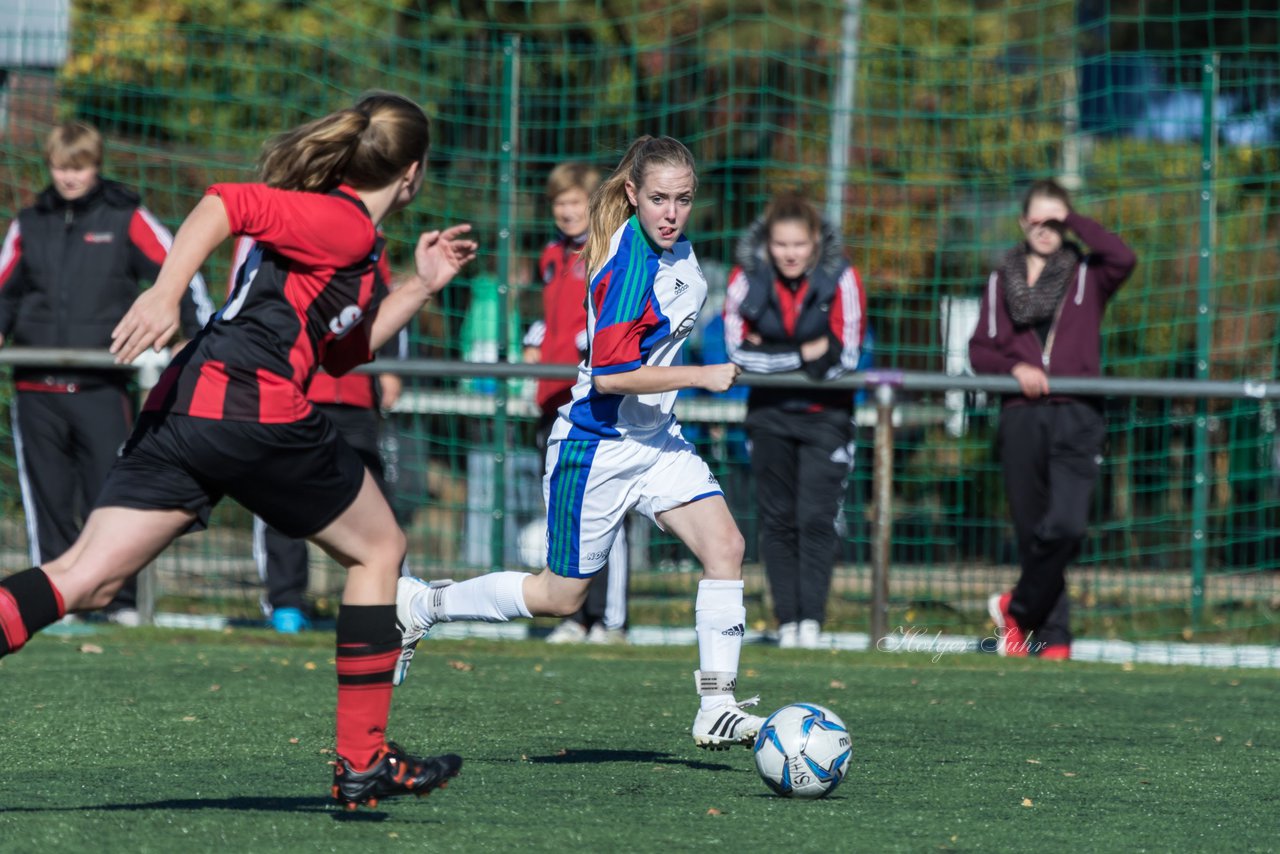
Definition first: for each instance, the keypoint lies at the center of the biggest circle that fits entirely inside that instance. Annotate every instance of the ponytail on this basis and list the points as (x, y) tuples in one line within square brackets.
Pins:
[(367, 146), (610, 207)]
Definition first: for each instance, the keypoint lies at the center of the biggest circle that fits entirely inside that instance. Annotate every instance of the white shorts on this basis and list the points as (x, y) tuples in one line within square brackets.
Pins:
[(590, 485)]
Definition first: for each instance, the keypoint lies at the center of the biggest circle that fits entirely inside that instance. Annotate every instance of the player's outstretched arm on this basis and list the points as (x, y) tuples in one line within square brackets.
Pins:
[(437, 258), (154, 316), (655, 379)]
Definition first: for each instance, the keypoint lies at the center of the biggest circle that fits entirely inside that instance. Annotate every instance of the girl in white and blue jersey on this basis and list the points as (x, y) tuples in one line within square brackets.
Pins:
[(617, 446)]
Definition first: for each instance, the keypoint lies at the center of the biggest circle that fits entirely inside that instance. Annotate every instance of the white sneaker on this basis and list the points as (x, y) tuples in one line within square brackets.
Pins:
[(788, 636), (809, 635), (128, 617), (599, 634), (724, 726), (569, 631), (414, 617)]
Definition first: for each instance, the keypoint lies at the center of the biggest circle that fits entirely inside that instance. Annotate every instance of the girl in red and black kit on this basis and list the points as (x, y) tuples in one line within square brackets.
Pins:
[(796, 303), (1041, 316), (354, 403), (230, 415)]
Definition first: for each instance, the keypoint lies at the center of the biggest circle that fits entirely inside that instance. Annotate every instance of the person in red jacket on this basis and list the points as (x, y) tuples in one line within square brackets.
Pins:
[(1041, 317), (229, 416), (354, 403), (561, 338), (70, 266)]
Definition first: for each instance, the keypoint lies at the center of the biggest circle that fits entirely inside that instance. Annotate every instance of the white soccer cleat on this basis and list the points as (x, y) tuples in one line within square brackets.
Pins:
[(415, 616), (724, 726), (569, 631)]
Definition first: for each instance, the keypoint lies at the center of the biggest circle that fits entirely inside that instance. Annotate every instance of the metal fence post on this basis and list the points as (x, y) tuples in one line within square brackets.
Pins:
[(506, 205), (1204, 334), (882, 531)]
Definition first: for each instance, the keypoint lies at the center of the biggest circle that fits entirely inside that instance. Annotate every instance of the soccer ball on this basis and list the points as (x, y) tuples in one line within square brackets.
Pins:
[(803, 751)]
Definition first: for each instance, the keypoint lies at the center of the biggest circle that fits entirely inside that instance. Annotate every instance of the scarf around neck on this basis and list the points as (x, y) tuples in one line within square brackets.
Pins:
[(1030, 304)]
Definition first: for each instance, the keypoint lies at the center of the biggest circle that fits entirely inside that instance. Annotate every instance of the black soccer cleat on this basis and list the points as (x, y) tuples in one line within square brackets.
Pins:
[(392, 773)]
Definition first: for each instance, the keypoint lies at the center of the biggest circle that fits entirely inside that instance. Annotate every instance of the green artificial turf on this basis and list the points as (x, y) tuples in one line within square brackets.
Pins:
[(164, 741)]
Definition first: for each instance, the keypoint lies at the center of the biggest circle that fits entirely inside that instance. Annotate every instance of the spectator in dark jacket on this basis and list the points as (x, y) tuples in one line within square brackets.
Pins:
[(1041, 318), (70, 268), (796, 303)]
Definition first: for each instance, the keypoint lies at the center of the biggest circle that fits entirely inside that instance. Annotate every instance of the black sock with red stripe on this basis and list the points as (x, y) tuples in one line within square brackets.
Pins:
[(368, 648), (28, 603)]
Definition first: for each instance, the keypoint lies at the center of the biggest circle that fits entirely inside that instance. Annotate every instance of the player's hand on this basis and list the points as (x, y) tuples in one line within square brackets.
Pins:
[(439, 256), (717, 378), (150, 322), (1053, 215), (389, 388), (1031, 379), (811, 351)]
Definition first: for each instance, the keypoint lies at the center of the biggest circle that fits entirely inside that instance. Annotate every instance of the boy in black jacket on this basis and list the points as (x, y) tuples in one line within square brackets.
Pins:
[(70, 267)]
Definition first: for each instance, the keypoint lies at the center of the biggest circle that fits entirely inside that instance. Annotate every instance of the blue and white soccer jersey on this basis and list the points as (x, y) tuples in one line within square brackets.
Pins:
[(610, 453)]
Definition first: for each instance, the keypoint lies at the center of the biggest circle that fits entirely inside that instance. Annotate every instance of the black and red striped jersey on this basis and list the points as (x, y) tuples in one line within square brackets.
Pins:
[(353, 389), (304, 297)]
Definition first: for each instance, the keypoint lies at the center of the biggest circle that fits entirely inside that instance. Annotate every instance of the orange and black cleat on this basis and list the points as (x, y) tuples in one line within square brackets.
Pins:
[(392, 773)]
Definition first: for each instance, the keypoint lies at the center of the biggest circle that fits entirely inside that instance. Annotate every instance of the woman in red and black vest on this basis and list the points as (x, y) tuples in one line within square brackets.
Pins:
[(230, 416), (796, 303)]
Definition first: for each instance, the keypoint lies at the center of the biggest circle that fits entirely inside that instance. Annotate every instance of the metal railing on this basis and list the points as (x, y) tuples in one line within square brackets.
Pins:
[(887, 387)]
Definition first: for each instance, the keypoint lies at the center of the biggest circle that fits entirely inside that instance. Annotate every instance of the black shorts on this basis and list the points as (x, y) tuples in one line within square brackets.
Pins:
[(297, 477)]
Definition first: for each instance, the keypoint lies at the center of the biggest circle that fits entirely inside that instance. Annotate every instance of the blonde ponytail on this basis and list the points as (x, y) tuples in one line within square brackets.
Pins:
[(610, 207), (367, 146)]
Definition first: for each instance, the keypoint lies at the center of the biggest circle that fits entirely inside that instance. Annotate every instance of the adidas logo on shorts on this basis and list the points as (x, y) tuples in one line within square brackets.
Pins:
[(737, 631)]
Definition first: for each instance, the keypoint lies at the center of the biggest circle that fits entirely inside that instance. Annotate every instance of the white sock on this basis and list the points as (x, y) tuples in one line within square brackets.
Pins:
[(720, 621), (493, 598)]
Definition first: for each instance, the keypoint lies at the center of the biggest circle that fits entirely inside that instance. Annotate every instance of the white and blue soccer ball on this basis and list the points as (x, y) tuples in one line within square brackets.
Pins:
[(803, 751)]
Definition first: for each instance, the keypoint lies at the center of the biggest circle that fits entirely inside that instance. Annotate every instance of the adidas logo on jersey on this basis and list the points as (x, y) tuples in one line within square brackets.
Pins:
[(681, 287), (737, 631)]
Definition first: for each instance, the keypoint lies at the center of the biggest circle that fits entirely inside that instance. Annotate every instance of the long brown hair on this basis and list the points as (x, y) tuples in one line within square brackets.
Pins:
[(1046, 188), (367, 146), (610, 207)]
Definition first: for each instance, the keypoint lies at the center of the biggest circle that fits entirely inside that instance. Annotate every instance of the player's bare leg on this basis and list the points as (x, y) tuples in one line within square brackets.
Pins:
[(707, 528)]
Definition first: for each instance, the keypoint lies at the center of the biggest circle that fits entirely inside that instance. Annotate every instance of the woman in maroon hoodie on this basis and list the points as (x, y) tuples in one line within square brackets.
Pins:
[(1041, 317)]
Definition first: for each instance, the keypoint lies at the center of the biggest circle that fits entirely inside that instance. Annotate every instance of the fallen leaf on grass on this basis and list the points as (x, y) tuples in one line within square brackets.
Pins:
[(562, 752), (838, 685), (213, 688), (1033, 761), (90, 649), (462, 666), (189, 718), (310, 665), (293, 741), (1068, 773), (1026, 802), (714, 811), (752, 674)]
